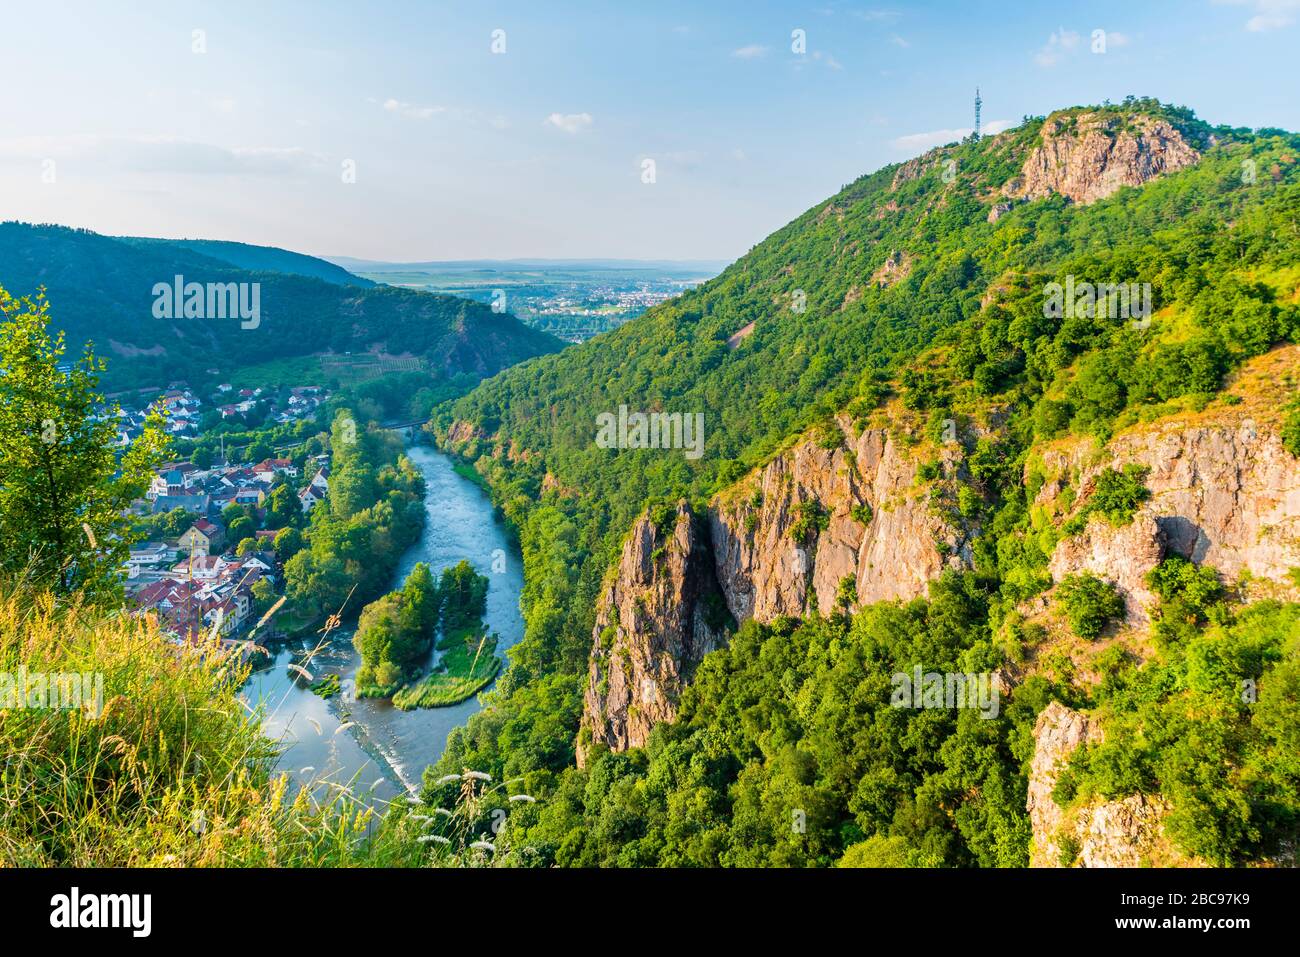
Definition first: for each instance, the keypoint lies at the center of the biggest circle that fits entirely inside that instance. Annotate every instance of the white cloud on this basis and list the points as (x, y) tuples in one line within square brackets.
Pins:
[(750, 52), (1116, 39), (411, 110), (1058, 44), (570, 122), (1273, 15), (920, 142), (739, 155), (898, 41), (1269, 15)]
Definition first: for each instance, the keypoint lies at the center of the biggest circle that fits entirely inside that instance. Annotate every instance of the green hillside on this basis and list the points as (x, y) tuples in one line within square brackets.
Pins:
[(259, 258), (102, 291), (920, 291)]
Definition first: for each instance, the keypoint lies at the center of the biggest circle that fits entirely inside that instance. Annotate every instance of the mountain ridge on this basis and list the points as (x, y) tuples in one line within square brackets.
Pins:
[(102, 290)]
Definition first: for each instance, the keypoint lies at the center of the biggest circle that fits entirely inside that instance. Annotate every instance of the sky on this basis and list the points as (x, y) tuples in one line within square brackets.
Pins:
[(409, 131)]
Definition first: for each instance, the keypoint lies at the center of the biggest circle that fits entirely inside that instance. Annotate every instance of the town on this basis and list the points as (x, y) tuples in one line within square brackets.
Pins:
[(215, 529)]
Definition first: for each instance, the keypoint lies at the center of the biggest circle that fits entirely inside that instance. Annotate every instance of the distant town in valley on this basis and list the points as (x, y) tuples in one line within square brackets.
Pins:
[(571, 299)]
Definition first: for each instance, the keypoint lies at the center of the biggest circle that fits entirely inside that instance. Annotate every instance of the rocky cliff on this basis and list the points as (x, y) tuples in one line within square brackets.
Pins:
[(1123, 833), (1224, 493), (778, 544), (1088, 156), (814, 515), (657, 617)]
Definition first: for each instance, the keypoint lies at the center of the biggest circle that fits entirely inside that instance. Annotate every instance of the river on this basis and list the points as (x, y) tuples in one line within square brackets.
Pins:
[(367, 744)]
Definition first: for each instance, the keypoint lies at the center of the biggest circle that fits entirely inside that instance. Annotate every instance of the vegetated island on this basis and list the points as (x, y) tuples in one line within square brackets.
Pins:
[(397, 631)]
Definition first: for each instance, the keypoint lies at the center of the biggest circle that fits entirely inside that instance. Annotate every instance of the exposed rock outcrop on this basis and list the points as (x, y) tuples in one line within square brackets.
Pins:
[(661, 611), (766, 570), (896, 267), (655, 620), (1088, 156), (1122, 556), (1225, 494), (1123, 833), (999, 210)]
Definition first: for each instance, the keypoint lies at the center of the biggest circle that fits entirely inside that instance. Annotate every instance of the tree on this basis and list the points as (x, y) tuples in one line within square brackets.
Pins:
[(282, 508), (1090, 603), (287, 543), (260, 449), (63, 491), (263, 595), (241, 528)]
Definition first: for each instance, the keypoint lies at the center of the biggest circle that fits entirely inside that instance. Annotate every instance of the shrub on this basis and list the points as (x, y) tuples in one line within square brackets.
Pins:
[(1116, 496), (1090, 603), (1291, 432), (812, 519)]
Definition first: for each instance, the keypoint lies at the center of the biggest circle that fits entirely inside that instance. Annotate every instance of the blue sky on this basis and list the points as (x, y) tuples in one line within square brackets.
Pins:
[(119, 125)]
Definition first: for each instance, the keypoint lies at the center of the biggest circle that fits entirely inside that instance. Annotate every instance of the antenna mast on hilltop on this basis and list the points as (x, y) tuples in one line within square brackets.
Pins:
[(978, 101)]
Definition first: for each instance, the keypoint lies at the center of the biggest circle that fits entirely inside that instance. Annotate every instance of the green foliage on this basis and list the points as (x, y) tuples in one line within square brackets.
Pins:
[(1211, 727), (63, 491), (1090, 603), (375, 512), (1291, 432), (846, 593), (1190, 596), (812, 519), (464, 596), (97, 283), (168, 767), (1116, 495), (395, 631), (862, 513), (787, 752)]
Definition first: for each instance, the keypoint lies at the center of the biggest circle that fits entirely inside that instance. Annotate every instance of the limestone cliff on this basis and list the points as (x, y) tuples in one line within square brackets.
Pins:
[(656, 618), (1088, 156)]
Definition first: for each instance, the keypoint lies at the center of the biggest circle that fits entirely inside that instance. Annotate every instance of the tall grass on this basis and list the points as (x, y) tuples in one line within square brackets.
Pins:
[(173, 771)]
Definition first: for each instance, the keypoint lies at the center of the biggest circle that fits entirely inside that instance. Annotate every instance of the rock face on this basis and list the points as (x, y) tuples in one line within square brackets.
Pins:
[(764, 570), (896, 267), (1088, 156), (1224, 494), (655, 620), (661, 611), (1122, 556), (1123, 833)]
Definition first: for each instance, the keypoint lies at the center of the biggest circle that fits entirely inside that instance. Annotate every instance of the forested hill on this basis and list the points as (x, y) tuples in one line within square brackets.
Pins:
[(260, 258), (101, 289), (824, 310), (913, 457)]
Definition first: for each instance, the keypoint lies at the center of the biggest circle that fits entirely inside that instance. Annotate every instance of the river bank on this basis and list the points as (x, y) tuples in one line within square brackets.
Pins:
[(368, 744)]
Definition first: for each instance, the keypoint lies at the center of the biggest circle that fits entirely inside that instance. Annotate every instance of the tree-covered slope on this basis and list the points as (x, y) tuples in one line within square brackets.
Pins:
[(102, 291), (925, 295), (260, 258)]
